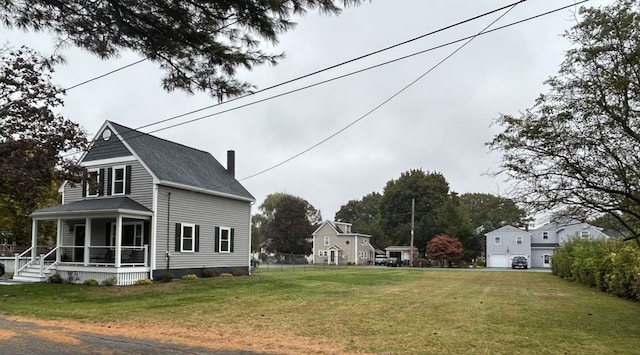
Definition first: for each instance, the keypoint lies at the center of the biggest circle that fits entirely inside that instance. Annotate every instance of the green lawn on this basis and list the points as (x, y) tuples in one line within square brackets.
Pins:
[(368, 310)]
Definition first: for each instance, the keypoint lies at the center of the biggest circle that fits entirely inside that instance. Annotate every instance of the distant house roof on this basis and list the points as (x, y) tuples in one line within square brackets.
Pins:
[(338, 230), (175, 163), (120, 204), (399, 248), (507, 228)]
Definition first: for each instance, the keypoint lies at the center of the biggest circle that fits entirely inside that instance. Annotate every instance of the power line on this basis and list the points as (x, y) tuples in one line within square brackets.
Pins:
[(133, 136), (385, 101), (300, 77), (105, 74), (334, 66), (368, 68)]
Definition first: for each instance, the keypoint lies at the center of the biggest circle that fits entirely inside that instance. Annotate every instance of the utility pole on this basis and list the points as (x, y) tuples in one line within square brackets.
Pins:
[(413, 212)]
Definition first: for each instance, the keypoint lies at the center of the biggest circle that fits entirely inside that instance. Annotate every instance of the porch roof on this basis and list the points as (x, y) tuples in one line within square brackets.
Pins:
[(116, 205)]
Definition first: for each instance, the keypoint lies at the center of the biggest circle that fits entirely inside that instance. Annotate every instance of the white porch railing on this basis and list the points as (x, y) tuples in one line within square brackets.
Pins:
[(21, 261), (46, 265)]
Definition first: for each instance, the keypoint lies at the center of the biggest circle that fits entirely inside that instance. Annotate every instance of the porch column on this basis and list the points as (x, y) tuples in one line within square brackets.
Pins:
[(87, 240), (118, 240), (59, 240), (34, 239)]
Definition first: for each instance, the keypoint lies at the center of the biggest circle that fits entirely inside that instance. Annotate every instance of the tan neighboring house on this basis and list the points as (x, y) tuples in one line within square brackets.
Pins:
[(335, 244)]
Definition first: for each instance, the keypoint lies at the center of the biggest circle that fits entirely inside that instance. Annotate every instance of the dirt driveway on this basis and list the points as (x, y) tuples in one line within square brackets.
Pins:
[(29, 336)]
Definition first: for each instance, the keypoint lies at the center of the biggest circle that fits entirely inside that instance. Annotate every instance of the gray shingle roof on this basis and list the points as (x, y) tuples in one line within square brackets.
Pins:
[(177, 163), (94, 205)]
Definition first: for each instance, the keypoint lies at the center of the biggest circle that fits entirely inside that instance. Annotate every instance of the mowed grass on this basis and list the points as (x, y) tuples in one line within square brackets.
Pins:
[(365, 310)]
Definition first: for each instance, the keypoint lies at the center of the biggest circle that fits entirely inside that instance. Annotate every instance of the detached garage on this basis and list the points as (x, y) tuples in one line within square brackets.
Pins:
[(498, 260)]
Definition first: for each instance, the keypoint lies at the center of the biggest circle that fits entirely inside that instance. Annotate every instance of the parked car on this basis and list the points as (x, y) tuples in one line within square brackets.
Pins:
[(393, 261), (519, 262), (380, 260)]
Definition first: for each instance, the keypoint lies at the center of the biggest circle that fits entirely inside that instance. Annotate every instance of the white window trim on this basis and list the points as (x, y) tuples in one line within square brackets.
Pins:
[(193, 237), (113, 180), (584, 234), (545, 235), (546, 256), (519, 240), (497, 240), (322, 253), (228, 251), (98, 181), (327, 241)]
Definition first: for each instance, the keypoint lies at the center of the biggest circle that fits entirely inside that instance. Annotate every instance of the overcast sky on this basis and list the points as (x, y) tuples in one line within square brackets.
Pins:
[(439, 124)]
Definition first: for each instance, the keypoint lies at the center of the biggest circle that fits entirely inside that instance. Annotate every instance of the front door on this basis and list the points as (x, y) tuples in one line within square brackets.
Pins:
[(78, 250), (333, 257)]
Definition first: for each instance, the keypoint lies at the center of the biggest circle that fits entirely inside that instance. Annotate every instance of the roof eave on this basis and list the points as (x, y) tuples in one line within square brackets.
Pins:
[(205, 191)]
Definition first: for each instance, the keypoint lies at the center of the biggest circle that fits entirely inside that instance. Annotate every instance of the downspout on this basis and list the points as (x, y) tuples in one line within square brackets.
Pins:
[(167, 253)]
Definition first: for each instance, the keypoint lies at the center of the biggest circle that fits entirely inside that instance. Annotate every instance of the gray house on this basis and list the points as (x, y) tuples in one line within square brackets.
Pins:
[(538, 245), (334, 243), (145, 207)]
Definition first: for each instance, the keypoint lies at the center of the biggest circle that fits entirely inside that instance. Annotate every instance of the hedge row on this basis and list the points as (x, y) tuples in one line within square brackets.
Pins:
[(609, 265)]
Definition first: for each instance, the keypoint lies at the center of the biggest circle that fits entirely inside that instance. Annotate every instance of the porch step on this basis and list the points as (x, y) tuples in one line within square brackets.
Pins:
[(32, 274)]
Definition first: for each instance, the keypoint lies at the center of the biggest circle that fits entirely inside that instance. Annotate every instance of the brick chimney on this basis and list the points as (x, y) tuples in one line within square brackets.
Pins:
[(231, 162)]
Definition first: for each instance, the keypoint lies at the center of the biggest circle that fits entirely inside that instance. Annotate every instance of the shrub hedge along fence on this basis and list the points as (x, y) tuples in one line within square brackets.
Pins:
[(610, 265)]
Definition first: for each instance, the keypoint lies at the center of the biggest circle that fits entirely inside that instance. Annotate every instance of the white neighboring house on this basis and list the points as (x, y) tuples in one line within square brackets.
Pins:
[(538, 245)]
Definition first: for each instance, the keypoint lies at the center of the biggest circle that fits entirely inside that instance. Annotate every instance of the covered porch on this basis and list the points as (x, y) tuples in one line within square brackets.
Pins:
[(98, 239)]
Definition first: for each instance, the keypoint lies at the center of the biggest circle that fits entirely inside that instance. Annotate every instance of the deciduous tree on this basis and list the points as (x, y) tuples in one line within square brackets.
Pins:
[(288, 223), (364, 215), (199, 44), (578, 145), (33, 137), (445, 249)]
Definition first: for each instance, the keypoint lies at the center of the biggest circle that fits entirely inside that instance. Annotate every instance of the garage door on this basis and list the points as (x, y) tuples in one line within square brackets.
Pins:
[(498, 260)]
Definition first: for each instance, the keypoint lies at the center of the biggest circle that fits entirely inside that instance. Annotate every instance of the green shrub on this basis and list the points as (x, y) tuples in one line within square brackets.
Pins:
[(144, 282), (608, 265), (167, 277), (90, 282), (55, 279), (111, 281), (188, 277), (226, 274), (209, 273)]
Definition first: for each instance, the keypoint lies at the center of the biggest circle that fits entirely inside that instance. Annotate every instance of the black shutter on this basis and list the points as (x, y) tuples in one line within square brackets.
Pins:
[(107, 239), (231, 242), (109, 181), (127, 181), (216, 240), (197, 239), (146, 232), (101, 182), (178, 235), (84, 185)]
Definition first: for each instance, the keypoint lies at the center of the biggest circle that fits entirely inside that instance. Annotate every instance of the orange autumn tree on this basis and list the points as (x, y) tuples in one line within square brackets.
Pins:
[(445, 249)]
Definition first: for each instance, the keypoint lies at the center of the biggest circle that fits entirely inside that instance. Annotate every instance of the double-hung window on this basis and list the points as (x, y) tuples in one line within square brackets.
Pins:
[(224, 240), (519, 240), (327, 241), (118, 180), (93, 183), (187, 237), (497, 241), (545, 235)]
